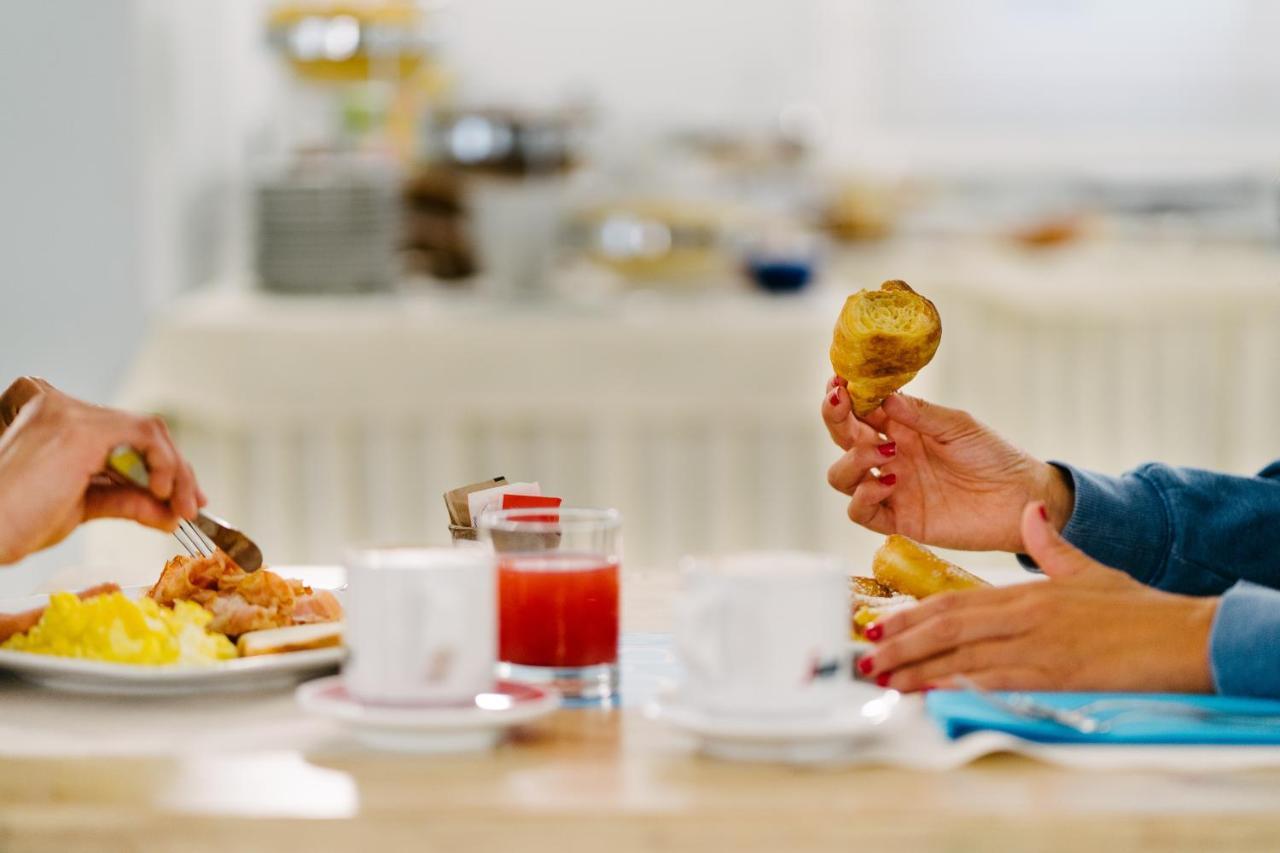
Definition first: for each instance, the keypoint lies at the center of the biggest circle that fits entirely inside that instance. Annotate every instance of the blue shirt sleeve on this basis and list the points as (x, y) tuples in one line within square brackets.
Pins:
[(1244, 641), (1180, 529)]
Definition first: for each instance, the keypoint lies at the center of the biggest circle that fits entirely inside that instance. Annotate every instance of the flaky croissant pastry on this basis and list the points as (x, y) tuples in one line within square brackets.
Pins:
[(882, 339), (908, 567)]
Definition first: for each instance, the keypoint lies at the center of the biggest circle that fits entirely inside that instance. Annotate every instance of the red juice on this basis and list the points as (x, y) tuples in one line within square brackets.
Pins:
[(557, 610)]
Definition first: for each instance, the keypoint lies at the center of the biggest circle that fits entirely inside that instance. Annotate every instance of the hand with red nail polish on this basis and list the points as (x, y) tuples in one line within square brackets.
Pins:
[(936, 475), (1086, 628), (874, 632)]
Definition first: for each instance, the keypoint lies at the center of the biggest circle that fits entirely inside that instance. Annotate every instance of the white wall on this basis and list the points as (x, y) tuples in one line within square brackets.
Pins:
[(906, 84), (120, 175), (70, 294), (1143, 85)]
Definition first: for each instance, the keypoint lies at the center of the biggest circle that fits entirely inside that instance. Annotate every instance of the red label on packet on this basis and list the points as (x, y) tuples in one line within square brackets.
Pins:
[(510, 501)]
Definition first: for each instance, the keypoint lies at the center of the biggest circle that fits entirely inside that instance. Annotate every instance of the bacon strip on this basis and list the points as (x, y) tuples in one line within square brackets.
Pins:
[(242, 602)]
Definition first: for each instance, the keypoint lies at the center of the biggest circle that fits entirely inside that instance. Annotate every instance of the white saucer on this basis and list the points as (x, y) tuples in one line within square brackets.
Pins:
[(826, 736), (436, 729)]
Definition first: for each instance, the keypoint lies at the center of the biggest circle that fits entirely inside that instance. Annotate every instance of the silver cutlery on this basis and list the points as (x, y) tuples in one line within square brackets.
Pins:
[(1022, 705), (1101, 715), (199, 538)]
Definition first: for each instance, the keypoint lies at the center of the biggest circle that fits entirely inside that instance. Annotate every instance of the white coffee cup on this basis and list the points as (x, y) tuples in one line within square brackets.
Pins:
[(764, 633), (421, 625)]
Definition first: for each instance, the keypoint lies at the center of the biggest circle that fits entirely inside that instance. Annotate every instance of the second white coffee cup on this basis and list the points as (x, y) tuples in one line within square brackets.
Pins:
[(421, 625), (764, 633)]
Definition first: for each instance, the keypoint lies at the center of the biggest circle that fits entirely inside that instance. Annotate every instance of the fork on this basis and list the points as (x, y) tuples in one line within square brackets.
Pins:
[(1022, 705), (1084, 718), (1118, 709), (200, 538)]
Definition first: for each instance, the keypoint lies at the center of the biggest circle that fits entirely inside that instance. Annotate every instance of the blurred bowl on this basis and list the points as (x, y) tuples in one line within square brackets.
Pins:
[(514, 143), (655, 240)]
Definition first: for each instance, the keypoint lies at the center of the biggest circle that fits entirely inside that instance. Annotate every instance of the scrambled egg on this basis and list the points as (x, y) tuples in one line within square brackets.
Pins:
[(116, 628)]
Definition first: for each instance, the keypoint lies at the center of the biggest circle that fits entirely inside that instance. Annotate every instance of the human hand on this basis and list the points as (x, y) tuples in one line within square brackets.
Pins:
[(52, 450), (1088, 627), (944, 478)]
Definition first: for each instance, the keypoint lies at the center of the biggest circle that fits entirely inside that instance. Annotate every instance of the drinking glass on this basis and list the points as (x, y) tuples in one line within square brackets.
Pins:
[(558, 579)]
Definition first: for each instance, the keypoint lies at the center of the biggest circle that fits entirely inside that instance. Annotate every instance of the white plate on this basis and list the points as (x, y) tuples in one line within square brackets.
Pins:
[(833, 735), (262, 672), (431, 729)]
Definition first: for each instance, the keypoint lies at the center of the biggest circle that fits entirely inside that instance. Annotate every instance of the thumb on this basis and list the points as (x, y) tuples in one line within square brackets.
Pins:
[(1055, 556), (128, 502), (924, 417)]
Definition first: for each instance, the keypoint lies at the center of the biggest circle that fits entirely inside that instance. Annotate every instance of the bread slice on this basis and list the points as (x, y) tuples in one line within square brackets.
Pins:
[(882, 339), (294, 638), (908, 567)]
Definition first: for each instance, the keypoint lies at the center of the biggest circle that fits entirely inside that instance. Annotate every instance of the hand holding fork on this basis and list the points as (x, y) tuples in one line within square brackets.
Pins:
[(52, 450)]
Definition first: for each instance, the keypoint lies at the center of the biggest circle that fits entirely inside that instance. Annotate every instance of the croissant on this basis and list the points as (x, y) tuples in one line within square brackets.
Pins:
[(908, 567), (882, 339)]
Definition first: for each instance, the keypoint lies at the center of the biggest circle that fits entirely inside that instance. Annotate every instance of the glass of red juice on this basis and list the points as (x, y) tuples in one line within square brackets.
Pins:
[(558, 597)]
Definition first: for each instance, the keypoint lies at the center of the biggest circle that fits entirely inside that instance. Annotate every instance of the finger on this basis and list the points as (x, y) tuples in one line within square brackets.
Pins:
[(927, 418), (906, 618), (186, 498), (1055, 556), (867, 504), (21, 392), (849, 470), (974, 657), (944, 633), (836, 382), (837, 414), (877, 420), (130, 503), (150, 437)]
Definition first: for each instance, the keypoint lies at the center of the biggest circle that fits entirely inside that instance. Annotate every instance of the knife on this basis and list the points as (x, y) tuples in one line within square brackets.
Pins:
[(125, 466)]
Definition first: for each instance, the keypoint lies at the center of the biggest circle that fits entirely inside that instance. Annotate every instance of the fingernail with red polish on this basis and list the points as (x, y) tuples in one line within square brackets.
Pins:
[(875, 631), (889, 449), (883, 679), (834, 399), (889, 479), (865, 665), (1044, 512)]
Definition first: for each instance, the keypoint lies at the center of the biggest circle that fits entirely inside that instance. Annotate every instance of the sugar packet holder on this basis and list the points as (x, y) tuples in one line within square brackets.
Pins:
[(461, 528)]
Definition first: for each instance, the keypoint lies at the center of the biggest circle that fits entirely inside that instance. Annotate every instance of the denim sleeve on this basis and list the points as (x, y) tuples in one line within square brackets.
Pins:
[(1180, 529), (1243, 643)]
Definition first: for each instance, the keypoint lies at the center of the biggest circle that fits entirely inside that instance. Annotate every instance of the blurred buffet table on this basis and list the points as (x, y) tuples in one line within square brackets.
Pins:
[(320, 420), (251, 772)]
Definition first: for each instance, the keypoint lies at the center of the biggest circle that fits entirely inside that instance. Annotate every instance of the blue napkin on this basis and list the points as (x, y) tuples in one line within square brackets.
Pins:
[(959, 712)]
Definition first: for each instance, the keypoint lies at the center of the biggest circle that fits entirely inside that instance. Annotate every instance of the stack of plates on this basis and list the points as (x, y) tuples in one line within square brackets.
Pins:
[(329, 232)]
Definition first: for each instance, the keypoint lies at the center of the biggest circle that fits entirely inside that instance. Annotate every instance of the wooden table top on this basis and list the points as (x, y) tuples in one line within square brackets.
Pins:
[(610, 780)]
